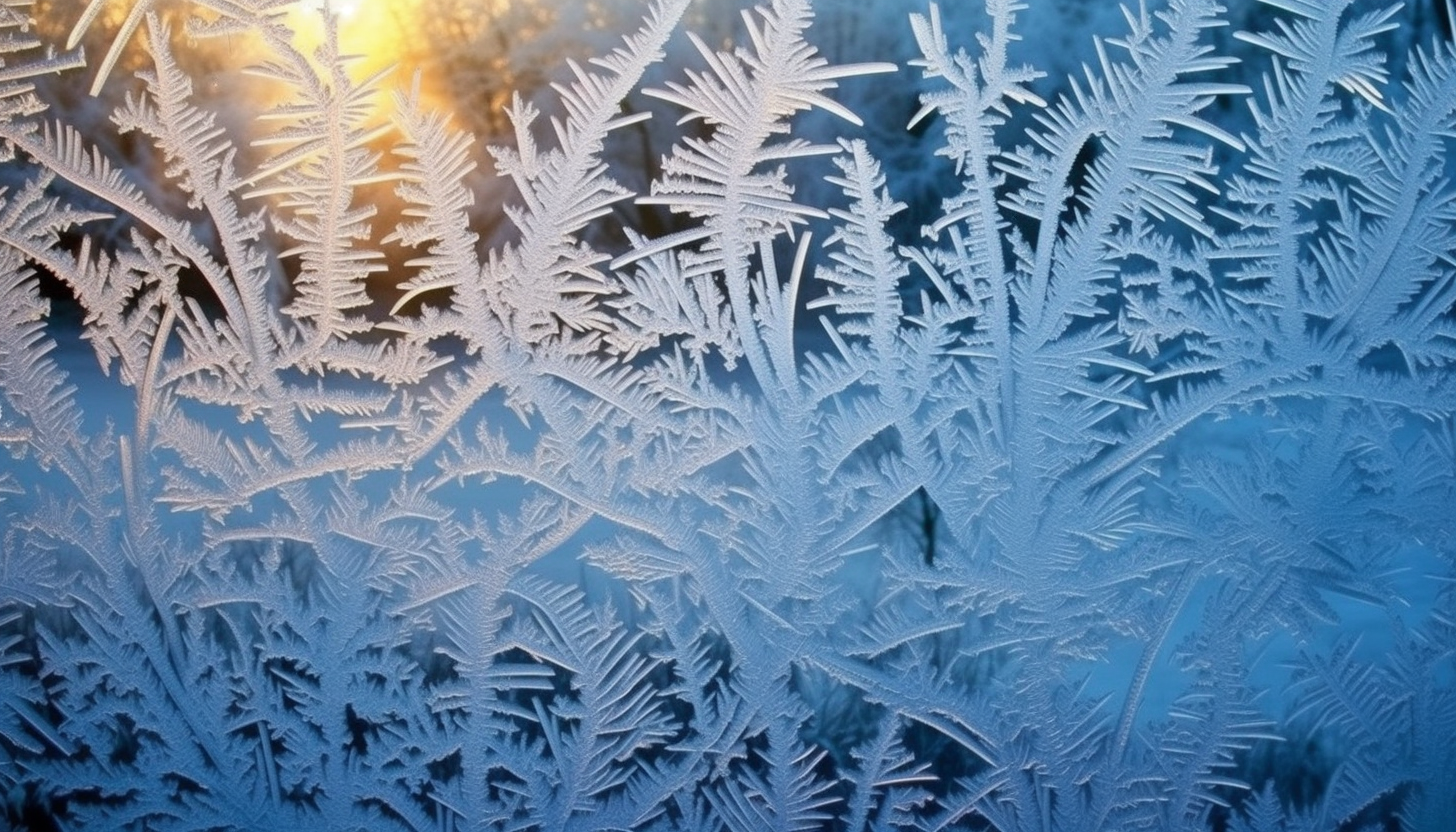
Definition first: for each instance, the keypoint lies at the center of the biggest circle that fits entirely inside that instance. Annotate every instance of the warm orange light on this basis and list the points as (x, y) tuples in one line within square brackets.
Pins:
[(364, 28), (345, 9)]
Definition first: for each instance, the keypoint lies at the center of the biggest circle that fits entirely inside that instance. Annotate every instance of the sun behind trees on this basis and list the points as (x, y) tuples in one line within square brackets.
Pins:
[(466, 58), (472, 54)]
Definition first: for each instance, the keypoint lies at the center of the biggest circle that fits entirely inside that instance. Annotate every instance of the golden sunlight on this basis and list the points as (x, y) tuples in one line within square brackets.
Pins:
[(345, 9), (471, 54), (367, 28)]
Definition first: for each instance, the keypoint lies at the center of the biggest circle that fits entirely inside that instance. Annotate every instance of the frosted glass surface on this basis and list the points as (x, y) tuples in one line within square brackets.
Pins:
[(510, 415)]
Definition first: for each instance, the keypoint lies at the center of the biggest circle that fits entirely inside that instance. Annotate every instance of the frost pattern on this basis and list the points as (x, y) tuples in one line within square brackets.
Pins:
[(1121, 484)]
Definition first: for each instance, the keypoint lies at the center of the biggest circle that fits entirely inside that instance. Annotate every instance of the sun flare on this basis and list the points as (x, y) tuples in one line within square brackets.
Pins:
[(364, 26), (345, 9)]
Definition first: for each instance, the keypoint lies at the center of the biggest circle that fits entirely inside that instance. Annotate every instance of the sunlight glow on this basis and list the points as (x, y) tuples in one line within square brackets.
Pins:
[(364, 26), (345, 9)]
